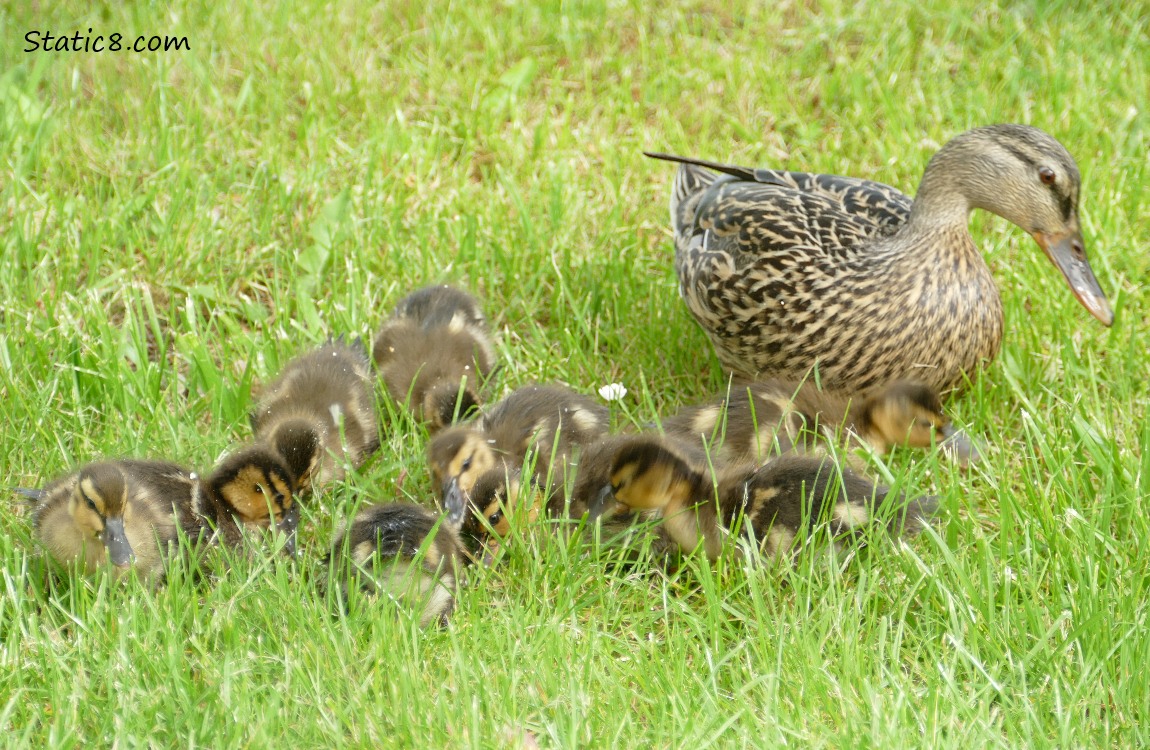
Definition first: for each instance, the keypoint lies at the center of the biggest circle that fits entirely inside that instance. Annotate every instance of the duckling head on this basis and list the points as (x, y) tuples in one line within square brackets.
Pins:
[(496, 498), (446, 403), (458, 456), (300, 442), (256, 486), (99, 503), (910, 413), (647, 476)]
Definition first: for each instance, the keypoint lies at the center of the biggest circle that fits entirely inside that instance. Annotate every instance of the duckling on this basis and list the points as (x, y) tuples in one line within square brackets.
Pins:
[(252, 489), (500, 495), (787, 271), (128, 512), (405, 551), (320, 414), (435, 353), (778, 504), (547, 419), (770, 417)]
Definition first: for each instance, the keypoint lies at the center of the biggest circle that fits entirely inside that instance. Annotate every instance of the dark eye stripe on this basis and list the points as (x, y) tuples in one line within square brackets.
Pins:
[(1067, 204)]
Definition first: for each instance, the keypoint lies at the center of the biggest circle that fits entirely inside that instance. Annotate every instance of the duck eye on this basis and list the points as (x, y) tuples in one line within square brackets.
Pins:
[(495, 517), (1047, 176), (258, 489), (91, 504), (466, 464)]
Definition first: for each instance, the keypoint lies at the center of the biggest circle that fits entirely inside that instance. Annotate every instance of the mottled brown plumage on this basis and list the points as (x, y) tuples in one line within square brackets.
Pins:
[(434, 354), (789, 270)]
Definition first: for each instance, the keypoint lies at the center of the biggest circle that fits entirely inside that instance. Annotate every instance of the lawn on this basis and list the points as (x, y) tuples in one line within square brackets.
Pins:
[(176, 225)]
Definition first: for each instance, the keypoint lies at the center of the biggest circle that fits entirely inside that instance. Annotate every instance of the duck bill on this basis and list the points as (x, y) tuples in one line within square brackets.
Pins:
[(287, 526), (1068, 252), (956, 443), (116, 540), (603, 502), (454, 502)]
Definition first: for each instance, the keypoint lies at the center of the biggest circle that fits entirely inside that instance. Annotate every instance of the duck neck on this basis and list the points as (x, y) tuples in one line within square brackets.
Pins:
[(941, 203)]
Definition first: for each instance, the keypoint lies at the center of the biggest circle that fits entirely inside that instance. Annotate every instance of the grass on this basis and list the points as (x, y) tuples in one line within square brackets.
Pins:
[(175, 226)]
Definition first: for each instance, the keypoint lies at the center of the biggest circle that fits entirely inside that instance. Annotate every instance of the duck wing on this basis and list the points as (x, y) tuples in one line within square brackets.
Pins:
[(754, 213)]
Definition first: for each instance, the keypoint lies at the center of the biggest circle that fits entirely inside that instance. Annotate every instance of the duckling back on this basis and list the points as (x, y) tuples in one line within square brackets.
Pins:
[(330, 389), (435, 353), (403, 551)]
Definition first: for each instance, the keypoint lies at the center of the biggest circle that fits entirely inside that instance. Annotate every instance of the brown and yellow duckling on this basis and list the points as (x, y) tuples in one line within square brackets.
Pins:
[(779, 504), (501, 498), (127, 513), (403, 551), (435, 353), (131, 512), (787, 271), (770, 417), (319, 414), (547, 420), (253, 489)]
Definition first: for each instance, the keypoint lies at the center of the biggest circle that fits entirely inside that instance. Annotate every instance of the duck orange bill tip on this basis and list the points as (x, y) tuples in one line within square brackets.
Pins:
[(1068, 252)]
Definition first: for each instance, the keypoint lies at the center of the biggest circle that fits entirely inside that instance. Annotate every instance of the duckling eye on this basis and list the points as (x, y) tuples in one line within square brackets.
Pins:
[(1047, 175), (495, 517), (90, 503), (258, 489), (466, 464)]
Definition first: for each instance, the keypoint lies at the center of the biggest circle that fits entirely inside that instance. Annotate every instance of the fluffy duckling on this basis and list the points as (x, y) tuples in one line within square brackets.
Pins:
[(770, 417), (435, 353), (405, 551), (320, 414), (500, 497), (129, 513), (551, 421), (252, 489), (778, 504)]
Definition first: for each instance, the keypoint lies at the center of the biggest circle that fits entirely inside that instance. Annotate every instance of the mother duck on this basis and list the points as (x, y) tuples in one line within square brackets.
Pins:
[(789, 271)]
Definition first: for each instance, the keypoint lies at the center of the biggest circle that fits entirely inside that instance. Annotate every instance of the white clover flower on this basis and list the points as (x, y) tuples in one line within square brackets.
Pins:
[(613, 391)]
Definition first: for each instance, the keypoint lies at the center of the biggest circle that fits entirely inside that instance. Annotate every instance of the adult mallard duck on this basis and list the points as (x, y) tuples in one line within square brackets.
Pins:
[(789, 270)]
